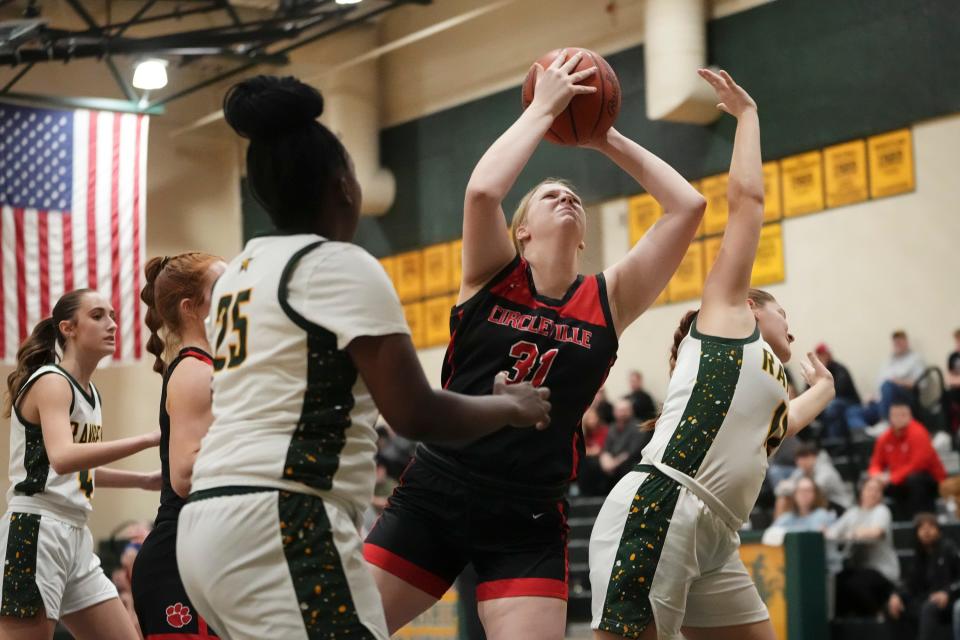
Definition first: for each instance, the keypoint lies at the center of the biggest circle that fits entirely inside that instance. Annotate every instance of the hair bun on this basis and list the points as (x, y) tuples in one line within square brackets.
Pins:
[(267, 106)]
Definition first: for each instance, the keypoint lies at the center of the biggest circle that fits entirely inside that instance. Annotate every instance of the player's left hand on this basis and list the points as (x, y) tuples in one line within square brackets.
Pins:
[(733, 99), (814, 371)]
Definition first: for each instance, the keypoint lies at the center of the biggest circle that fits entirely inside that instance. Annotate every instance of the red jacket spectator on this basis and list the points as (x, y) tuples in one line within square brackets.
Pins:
[(905, 451)]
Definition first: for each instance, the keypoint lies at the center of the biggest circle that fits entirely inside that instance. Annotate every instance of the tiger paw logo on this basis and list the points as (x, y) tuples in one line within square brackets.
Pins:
[(178, 615)]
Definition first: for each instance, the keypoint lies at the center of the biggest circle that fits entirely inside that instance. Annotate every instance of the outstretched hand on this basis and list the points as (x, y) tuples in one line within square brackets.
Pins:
[(532, 404), (733, 99), (814, 371)]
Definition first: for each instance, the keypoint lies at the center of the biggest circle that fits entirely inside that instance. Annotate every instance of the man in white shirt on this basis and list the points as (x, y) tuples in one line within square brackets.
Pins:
[(896, 380)]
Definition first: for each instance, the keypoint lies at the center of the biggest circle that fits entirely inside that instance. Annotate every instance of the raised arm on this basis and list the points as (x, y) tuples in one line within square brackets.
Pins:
[(724, 311), (486, 245), (634, 282), (811, 403), (50, 397)]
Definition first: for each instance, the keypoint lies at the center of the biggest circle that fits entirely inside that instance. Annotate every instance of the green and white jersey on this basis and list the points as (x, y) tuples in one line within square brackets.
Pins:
[(725, 414), (289, 408), (34, 486)]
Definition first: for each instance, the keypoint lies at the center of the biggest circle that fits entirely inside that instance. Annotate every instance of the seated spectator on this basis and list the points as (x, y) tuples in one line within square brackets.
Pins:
[(905, 461), (833, 418), (953, 384), (621, 451), (896, 379), (807, 510), (817, 465), (871, 568), (923, 608), (594, 433), (602, 406), (644, 408)]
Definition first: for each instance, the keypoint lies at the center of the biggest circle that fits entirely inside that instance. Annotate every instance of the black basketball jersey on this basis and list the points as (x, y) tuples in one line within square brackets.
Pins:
[(567, 345), (170, 502)]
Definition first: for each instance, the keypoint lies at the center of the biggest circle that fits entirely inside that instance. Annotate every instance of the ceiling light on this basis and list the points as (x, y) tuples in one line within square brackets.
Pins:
[(348, 1), (150, 74)]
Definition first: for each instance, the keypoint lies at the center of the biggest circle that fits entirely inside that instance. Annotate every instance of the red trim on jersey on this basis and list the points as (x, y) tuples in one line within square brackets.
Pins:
[(180, 636), (199, 355), (518, 587), (406, 570), (565, 533), (575, 457), (584, 305)]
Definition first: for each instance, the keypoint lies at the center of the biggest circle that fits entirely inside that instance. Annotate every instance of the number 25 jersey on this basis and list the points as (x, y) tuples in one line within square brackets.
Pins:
[(567, 345)]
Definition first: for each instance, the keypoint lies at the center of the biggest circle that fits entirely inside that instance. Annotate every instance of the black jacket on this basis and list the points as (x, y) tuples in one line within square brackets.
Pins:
[(935, 570)]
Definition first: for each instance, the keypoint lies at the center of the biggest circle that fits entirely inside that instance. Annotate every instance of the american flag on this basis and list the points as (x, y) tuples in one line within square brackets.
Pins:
[(73, 198)]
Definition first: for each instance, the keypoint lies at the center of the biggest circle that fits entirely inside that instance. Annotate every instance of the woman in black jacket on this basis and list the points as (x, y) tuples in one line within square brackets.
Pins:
[(932, 585)]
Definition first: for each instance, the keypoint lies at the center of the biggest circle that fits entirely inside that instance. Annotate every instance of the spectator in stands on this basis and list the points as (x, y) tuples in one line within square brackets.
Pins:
[(602, 406), (833, 418), (817, 465), (928, 599), (896, 380), (591, 479), (871, 568), (906, 462), (644, 408), (953, 383), (625, 441), (807, 510), (594, 433)]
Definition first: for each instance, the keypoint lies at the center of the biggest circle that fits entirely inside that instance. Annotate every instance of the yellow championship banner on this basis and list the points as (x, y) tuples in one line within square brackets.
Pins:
[(643, 212), (772, 203), (768, 267), (456, 261), (389, 265), (436, 270), (845, 173), (802, 182), (410, 275), (767, 567), (436, 313), (714, 189), (687, 282), (414, 315), (891, 163), (439, 622)]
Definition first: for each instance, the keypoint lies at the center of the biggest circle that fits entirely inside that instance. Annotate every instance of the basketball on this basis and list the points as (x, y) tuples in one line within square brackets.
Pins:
[(588, 116)]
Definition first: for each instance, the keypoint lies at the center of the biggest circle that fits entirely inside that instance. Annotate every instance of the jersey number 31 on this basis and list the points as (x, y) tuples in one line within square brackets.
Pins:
[(526, 355), (230, 318)]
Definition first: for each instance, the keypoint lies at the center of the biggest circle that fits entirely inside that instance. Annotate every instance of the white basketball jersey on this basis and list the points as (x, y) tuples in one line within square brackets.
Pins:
[(290, 410), (725, 414), (34, 486)]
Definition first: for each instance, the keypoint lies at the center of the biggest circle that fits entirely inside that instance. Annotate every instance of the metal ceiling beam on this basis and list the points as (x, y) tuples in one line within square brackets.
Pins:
[(246, 67), (136, 19), (15, 79), (101, 104)]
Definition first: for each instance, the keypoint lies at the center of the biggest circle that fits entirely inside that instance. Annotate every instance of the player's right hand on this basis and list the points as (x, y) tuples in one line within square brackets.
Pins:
[(532, 404), (557, 84)]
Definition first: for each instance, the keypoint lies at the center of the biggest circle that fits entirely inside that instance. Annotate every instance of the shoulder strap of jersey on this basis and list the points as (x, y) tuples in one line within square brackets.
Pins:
[(283, 290), (187, 352), (36, 375), (516, 264), (604, 300)]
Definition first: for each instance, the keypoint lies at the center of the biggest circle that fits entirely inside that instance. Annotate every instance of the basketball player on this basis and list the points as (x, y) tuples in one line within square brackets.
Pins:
[(664, 552), (525, 308), (307, 334), (50, 569), (177, 295)]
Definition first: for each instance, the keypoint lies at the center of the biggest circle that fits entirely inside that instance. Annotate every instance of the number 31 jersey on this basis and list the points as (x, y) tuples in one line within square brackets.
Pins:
[(290, 410), (567, 345)]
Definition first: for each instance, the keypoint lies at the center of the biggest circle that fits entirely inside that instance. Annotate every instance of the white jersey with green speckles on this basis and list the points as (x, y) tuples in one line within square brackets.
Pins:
[(725, 414)]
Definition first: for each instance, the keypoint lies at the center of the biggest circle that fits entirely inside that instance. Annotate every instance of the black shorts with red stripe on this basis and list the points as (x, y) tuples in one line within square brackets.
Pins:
[(442, 517), (161, 602)]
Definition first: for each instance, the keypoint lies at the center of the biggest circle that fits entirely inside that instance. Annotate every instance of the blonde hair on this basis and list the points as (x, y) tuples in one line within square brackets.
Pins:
[(520, 215)]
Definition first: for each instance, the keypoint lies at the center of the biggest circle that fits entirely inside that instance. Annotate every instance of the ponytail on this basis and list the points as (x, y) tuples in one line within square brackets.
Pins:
[(155, 344)]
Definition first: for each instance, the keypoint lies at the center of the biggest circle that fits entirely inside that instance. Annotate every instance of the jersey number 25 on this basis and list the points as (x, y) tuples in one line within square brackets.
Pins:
[(231, 319)]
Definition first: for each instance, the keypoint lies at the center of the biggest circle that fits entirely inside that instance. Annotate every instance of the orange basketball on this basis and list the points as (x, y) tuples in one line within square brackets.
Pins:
[(588, 116)]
